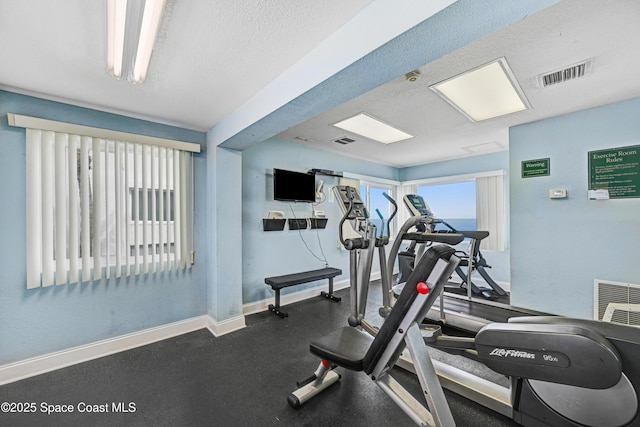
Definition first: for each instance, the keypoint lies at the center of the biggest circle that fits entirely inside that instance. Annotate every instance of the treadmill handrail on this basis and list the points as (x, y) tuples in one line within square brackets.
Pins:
[(409, 223)]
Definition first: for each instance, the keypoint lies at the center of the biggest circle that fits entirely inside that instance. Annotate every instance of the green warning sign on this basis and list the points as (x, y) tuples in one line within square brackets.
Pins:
[(538, 167), (616, 170)]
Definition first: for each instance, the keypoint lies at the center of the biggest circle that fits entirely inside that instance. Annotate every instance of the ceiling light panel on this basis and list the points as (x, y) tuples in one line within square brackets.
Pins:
[(372, 128), (132, 28), (485, 92)]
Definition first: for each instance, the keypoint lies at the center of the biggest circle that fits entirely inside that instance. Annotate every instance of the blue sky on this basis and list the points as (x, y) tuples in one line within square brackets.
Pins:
[(449, 201)]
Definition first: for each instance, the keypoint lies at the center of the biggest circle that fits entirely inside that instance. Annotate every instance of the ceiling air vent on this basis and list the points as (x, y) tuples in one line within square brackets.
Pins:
[(562, 75), (344, 140)]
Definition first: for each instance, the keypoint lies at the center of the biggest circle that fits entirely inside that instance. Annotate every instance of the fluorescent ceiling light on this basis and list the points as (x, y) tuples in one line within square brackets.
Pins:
[(372, 128), (485, 92), (132, 27)]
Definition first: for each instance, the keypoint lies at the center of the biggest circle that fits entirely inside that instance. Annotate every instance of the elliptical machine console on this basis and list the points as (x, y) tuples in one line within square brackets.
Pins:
[(356, 213)]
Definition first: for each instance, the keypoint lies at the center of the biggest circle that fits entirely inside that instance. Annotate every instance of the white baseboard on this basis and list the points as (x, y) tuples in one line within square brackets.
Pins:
[(263, 305), (61, 359), (225, 326)]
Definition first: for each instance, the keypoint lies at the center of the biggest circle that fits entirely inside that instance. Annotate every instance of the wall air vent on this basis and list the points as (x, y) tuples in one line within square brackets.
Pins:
[(616, 302), (344, 140), (562, 75)]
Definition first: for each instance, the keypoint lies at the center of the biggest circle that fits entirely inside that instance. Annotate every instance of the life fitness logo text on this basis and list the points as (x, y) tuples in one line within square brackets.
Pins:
[(503, 352)]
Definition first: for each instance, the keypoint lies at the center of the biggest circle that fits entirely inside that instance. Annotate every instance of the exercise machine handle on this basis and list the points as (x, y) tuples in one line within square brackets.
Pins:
[(381, 219), (393, 214), (349, 244), (346, 215), (388, 222)]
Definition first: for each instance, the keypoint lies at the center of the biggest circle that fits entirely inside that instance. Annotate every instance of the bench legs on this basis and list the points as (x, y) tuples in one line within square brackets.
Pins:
[(329, 294), (275, 308)]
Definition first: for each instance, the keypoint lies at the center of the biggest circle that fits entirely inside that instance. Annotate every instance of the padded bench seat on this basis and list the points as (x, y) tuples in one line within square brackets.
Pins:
[(347, 347), (279, 282)]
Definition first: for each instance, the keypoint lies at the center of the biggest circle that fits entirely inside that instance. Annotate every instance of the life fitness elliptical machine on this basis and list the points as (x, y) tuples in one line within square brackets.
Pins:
[(563, 372), (361, 251)]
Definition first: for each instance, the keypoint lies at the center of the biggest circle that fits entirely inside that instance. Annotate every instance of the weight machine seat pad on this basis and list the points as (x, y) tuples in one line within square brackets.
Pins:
[(352, 349), (345, 347)]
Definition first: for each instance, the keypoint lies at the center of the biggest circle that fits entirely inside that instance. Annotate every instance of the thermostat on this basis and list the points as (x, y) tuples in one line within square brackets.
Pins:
[(558, 193)]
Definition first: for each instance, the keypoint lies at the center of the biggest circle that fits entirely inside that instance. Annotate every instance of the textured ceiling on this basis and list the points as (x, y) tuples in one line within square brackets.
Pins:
[(226, 66), (210, 57), (566, 33)]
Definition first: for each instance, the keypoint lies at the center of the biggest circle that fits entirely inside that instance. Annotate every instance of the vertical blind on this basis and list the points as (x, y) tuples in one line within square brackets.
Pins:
[(490, 209), (98, 208)]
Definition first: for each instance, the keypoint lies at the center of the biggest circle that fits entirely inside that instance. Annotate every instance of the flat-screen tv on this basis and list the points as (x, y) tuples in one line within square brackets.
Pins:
[(290, 186)]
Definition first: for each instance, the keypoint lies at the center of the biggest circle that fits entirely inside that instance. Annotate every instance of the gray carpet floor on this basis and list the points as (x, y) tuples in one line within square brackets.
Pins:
[(239, 379)]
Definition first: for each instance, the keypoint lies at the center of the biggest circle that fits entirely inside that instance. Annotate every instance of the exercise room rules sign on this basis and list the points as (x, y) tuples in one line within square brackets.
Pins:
[(617, 170)]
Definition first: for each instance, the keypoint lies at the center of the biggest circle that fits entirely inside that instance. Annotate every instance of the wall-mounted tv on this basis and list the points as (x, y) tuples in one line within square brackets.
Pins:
[(290, 186)]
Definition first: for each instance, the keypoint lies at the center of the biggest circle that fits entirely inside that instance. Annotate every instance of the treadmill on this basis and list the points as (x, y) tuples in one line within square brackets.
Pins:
[(465, 312)]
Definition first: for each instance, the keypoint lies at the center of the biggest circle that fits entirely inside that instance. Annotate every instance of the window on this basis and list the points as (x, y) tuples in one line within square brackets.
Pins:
[(84, 221), (372, 196), (468, 202), (455, 203)]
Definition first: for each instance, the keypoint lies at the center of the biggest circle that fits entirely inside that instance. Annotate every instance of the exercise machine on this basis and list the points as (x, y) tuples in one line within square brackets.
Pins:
[(423, 237), (563, 372), (356, 350), (472, 260), (361, 250)]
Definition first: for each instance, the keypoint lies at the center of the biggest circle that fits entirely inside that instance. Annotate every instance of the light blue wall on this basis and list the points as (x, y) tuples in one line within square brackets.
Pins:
[(282, 252), (474, 164), (39, 321), (558, 247), (461, 23), (499, 260), (224, 232)]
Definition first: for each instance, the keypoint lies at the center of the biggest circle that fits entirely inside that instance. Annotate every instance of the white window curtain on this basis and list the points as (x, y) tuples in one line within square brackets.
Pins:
[(403, 212), (98, 208), (490, 211)]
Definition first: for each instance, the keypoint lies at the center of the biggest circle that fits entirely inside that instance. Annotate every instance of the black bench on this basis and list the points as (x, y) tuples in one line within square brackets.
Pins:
[(279, 282)]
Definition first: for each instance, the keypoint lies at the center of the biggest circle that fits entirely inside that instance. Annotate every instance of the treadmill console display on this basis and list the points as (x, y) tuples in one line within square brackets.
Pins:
[(417, 205)]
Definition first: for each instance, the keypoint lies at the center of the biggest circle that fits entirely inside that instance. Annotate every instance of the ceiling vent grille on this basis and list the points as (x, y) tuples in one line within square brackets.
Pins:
[(562, 75), (344, 140)]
